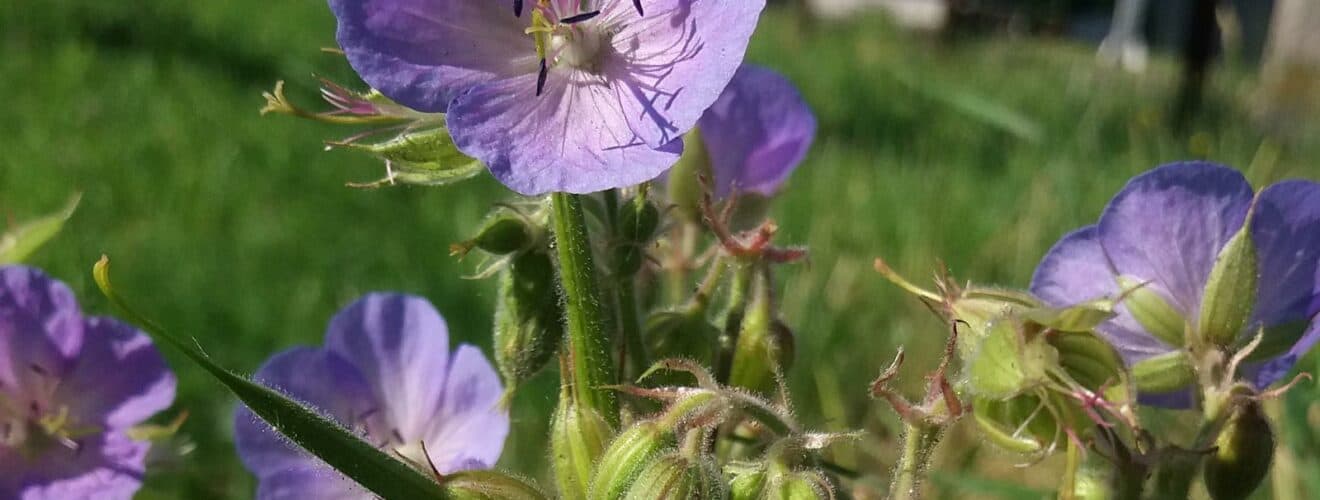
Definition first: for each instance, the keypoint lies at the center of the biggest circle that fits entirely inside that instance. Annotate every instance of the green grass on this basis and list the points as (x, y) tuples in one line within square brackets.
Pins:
[(238, 230)]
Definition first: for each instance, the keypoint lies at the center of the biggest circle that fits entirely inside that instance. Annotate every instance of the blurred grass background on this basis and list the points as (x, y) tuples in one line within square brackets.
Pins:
[(238, 230)]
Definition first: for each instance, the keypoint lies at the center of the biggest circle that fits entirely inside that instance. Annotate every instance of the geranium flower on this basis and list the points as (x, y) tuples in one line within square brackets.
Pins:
[(386, 372), (70, 389), (756, 133), (569, 96), (1164, 231)]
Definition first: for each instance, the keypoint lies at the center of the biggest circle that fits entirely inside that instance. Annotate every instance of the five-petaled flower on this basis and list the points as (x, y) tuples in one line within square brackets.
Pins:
[(756, 133), (70, 389), (1163, 233), (386, 372), (575, 96)]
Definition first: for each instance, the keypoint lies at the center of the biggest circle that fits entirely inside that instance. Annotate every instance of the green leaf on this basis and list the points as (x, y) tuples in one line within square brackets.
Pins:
[(17, 244), (338, 447)]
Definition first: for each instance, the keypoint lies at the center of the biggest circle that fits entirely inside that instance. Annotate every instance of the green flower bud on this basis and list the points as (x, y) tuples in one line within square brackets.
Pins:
[(978, 308), (503, 232), (1230, 292), (748, 485), (1006, 364), (758, 353), (1167, 372), (673, 476), (637, 222), (1153, 313), (577, 438), (629, 453), (528, 326), (798, 485), (685, 186), (1243, 453), (488, 485), (682, 334)]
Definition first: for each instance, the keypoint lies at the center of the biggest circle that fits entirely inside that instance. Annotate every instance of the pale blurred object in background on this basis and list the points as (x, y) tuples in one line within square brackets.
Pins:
[(922, 15), (1290, 79)]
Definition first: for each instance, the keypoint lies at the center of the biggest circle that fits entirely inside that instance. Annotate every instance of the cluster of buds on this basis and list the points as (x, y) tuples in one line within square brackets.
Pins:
[(416, 147)]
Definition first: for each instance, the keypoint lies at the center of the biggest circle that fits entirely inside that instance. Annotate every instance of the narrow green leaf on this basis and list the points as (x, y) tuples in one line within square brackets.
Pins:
[(17, 244), (341, 449)]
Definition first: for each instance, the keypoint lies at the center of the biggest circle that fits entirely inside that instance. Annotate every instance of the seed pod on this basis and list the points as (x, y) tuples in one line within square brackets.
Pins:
[(1244, 450), (637, 222), (674, 477), (630, 452), (577, 438), (488, 485), (528, 328)]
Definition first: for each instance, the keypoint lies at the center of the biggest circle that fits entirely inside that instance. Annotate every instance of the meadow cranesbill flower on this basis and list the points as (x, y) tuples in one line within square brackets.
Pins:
[(1161, 236), (71, 387), (568, 95), (756, 133), (386, 372)]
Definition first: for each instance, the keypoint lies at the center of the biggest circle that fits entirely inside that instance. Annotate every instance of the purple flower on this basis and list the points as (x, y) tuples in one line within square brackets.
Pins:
[(70, 389), (386, 372), (567, 96), (756, 133), (1166, 228)]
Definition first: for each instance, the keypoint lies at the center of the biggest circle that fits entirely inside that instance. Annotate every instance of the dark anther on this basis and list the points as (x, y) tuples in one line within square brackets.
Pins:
[(540, 78), (517, 7), (38, 369), (638, 5), (580, 17)]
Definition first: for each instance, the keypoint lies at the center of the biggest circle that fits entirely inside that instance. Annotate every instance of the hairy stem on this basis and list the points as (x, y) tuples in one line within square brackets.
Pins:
[(588, 342), (919, 442)]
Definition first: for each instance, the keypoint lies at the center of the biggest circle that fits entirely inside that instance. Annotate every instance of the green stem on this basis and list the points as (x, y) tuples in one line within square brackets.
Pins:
[(588, 342), (630, 326), (919, 441), (1173, 479)]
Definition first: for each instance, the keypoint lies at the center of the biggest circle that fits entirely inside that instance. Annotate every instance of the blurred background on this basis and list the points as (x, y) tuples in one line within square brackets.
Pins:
[(971, 133)]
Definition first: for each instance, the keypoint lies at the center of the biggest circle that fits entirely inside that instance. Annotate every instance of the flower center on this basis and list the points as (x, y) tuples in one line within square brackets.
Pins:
[(577, 48), (33, 433), (563, 40)]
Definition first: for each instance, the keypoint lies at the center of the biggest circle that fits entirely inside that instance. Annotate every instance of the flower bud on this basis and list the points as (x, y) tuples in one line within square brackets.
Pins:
[(682, 334), (637, 222), (1244, 450), (1230, 291), (502, 233), (758, 353), (673, 476), (748, 485), (1153, 313), (528, 326), (685, 179), (578, 437), (798, 485), (629, 453), (978, 307), (1164, 373), (1006, 364), (488, 485)]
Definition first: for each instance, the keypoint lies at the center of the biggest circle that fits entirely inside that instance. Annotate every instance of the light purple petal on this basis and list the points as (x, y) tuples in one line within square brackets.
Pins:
[(106, 466), (1271, 371), (1168, 226), (1286, 229), (43, 329), (469, 431), (400, 345), (573, 138), (757, 132), (119, 380), (423, 53), (320, 483), (1075, 271), (315, 377)]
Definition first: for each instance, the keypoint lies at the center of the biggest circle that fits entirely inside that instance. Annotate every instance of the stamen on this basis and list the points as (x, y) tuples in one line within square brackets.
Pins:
[(638, 5), (517, 8), (540, 78), (585, 16)]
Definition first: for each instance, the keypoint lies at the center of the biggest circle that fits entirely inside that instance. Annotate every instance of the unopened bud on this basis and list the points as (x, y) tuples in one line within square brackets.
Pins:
[(504, 232), (1243, 453), (756, 355), (528, 325), (682, 334), (637, 222), (977, 308), (1153, 313), (1230, 291), (799, 485), (685, 179), (674, 476), (630, 452), (578, 437), (488, 485), (748, 485), (1006, 364), (1164, 373)]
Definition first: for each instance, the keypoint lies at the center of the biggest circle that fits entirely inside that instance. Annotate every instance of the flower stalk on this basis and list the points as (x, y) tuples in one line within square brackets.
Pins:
[(588, 342), (919, 441)]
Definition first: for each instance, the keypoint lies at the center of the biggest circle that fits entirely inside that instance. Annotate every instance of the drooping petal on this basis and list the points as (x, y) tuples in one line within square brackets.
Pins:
[(41, 330), (119, 380), (320, 483), (316, 377), (676, 60), (575, 137), (423, 53), (757, 132), (1168, 226), (400, 345), (1273, 370), (104, 466), (1075, 271), (469, 431), (1286, 229)]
